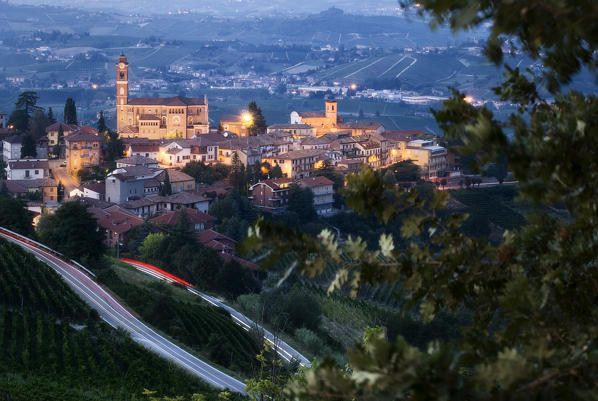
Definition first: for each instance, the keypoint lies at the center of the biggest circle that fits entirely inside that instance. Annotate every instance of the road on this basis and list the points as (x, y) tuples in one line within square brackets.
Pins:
[(287, 352), (116, 315), (61, 174)]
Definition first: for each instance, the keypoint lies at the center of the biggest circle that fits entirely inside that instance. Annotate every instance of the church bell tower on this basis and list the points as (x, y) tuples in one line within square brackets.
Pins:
[(122, 90)]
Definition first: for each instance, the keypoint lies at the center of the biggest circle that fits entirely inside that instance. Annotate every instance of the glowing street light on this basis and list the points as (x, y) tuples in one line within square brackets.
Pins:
[(468, 99), (353, 86), (247, 118)]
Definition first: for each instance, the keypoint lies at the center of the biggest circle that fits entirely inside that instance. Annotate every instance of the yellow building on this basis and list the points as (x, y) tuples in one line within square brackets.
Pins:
[(157, 118), (430, 158), (52, 131), (297, 163), (235, 124), (82, 150), (322, 122)]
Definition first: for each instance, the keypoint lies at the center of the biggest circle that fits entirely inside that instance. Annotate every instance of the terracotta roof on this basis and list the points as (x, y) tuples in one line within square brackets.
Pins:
[(37, 183), (207, 236), (298, 154), (401, 135), (176, 176), (28, 164), (151, 183), (99, 188), (145, 147), (316, 181), (81, 136), (274, 183), (137, 160), (168, 101), (89, 130), (181, 198), (361, 125), (194, 216), (312, 114), (289, 126), (116, 219), (66, 128), (129, 129), (134, 204), (92, 202), (14, 187)]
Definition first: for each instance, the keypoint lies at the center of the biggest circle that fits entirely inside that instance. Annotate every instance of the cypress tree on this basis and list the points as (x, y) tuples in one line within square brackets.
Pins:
[(166, 188), (70, 111), (102, 124), (51, 118), (259, 122)]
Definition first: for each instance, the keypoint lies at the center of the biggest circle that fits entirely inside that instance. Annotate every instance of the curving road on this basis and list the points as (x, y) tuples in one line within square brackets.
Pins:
[(287, 352), (116, 315)]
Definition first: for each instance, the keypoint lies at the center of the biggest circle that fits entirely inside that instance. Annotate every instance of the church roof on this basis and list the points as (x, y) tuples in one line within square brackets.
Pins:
[(167, 101), (149, 117), (312, 114)]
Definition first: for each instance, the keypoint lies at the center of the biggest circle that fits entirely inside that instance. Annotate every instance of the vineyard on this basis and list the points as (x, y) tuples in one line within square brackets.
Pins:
[(52, 346), (206, 329)]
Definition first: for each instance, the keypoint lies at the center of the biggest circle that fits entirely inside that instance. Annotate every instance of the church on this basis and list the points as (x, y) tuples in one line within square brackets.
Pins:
[(157, 118)]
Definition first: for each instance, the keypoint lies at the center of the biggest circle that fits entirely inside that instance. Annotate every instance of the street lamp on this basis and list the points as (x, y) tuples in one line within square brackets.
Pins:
[(117, 236)]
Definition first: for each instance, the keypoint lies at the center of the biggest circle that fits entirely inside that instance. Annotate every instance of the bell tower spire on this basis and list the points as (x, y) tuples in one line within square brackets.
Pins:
[(122, 90)]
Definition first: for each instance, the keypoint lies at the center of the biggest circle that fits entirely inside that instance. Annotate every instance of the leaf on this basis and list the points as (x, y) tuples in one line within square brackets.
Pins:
[(386, 245)]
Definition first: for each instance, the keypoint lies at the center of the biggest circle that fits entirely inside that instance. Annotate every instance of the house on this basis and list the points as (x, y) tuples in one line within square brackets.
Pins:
[(95, 191), (143, 207), (145, 149), (217, 241), (137, 160), (323, 191), (179, 181), (235, 124), (27, 169), (298, 131), (47, 188), (271, 194), (83, 150), (11, 147), (14, 188), (128, 183), (430, 158), (198, 221), (116, 223), (52, 131), (297, 163), (397, 143), (179, 200), (362, 128)]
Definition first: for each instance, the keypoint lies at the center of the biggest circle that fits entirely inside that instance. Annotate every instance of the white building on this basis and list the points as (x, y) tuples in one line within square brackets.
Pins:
[(27, 169)]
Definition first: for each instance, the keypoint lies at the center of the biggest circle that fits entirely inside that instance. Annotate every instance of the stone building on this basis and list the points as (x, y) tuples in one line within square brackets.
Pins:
[(157, 118)]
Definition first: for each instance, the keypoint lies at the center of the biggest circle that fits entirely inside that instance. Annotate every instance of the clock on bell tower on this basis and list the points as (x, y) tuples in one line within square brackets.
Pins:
[(122, 90)]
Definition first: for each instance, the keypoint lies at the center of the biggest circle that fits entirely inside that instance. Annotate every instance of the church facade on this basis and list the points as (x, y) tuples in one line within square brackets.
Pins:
[(157, 118)]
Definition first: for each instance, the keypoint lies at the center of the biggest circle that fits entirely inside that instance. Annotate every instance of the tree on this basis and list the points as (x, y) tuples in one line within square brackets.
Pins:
[(152, 246), (19, 120), (14, 214), (2, 169), (237, 175), (51, 118), (73, 231), (102, 128), (114, 146), (166, 188), (60, 192), (37, 124), (258, 125), (27, 102), (301, 201), (276, 172), (532, 297), (70, 112), (28, 147), (405, 171)]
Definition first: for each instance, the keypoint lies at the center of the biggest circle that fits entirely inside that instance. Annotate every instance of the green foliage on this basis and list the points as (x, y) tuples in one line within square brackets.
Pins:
[(20, 120), (234, 213), (55, 347), (404, 171), (258, 125), (28, 147), (27, 102), (101, 125), (114, 146), (152, 246), (50, 116), (37, 124), (206, 174), (532, 298), (73, 231), (166, 188), (15, 216), (301, 202), (276, 172), (238, 178), (70, 112), (290, 310), (199, 326)]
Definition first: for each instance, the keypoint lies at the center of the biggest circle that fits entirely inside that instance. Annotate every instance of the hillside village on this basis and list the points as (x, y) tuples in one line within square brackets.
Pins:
[(159, 137)]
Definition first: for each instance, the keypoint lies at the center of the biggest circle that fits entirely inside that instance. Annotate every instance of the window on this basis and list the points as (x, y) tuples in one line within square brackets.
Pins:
[(26, 173), (36, 172)]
